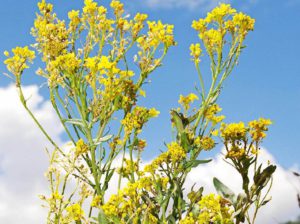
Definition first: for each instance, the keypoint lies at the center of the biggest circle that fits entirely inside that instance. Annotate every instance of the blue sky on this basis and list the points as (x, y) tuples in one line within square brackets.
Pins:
[(266, 83)]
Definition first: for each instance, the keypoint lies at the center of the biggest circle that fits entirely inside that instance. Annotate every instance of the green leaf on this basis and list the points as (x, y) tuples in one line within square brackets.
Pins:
[(102, 217), (224, 191), (103, 139), (266, 201), (177, 119), (262, 179), (77, 122), (195, 163)]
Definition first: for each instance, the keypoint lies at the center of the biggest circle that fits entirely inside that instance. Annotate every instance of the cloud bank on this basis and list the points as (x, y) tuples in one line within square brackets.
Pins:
[(23, 159), (23, 162), (187, 4)]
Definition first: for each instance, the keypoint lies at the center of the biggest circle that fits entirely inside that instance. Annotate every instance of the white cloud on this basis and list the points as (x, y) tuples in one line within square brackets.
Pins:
[(284, 190), (23, 162), (188, 4)]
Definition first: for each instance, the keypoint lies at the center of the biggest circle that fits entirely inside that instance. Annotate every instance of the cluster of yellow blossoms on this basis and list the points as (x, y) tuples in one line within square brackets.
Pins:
[(19, 61), (174, 155), (213, 209), (51, 33), (258, 128), (185, 101), (210, 114), (196, 52), (81, 147), (206, 143), (136, 119), (218, 22), (131, 203), (75, 212), (236, 136)]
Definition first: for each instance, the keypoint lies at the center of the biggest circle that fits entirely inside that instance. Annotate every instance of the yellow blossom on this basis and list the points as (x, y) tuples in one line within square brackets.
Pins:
[(175, 152), (81, 147), (75, 212), (233, 131), (205, 143), (258, 128), (213, 210), (19, 60), (195, 51), (137, 118), (74, 19), (219, 13), (185, 101)]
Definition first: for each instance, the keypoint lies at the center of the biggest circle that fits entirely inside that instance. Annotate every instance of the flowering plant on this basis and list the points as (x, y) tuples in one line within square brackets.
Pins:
[(92, 83)]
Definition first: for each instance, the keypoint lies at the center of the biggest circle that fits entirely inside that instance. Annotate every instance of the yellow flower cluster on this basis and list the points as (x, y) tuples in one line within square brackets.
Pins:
[(236, 137), (96, 202), (243, 23), (138, 24), (196, 51), (233, 131), (19, 60), (235, 152), (75, 20), (81, 147), (118, 7), (128, 203), (185, 101), (67, 64), (175, 154), (51, 33), (128, 168), (189, 219), (213, 209), (210, 114), (218, 14), (205, 143), (137, 118), (223, 19), (75, 212), (160, 33), (258, 128)]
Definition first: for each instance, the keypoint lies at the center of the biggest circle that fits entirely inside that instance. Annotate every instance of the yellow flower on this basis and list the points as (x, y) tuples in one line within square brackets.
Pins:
[(219, 13), (195, 51), (175, 152), (235, 152), (205, 143), (137, 118), (96, 201), (74, 19), (213, 210), (258, 128), (18, 62), (50, 33), (118, 7), (188, 219), (90, 7), (233, 131), (81, 147), (210, 114), (75, 212), (67, 63), (244, 22), (160, 33), (185, 101), (199, 25)]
